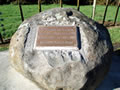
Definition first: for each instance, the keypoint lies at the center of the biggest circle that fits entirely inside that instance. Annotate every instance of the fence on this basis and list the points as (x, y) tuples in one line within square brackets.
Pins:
[(77, 8)]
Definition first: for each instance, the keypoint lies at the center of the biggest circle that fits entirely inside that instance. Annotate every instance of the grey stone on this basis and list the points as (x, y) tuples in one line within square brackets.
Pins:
[(10, 79), (80, 69)]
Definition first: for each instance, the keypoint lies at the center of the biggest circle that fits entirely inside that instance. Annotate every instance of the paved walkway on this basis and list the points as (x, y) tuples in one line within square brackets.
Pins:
[(12, 80)]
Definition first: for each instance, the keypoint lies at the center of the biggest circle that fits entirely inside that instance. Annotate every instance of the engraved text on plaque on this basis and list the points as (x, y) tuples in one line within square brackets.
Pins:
[(56, 36)]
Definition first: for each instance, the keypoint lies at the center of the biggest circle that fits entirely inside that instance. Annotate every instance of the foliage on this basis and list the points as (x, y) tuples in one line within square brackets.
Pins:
[(103, 2), (72, 2), (28, 1)]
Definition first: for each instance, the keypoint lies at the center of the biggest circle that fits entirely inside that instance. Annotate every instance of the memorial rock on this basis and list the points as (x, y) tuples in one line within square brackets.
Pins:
[(62, 49)]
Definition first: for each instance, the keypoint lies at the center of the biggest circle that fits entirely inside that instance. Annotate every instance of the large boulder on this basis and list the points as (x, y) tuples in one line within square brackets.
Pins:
[(70, 69)]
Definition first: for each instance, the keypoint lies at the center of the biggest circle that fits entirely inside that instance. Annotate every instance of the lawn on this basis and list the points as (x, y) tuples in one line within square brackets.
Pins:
[(12, 18), (115, 35)]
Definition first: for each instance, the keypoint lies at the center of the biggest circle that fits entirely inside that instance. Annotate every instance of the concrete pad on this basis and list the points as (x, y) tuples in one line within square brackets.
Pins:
[(10, 79)]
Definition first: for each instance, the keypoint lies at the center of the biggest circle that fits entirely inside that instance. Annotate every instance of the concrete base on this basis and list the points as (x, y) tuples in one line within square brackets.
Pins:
[(12, 80)]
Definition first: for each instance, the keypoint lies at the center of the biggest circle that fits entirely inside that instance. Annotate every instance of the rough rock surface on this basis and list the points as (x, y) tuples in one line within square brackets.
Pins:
[(10, 79), (62, 69)]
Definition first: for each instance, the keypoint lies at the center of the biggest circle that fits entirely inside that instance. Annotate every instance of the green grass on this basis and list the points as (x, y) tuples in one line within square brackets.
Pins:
[(115, 35), (3, 48), (12, 18)]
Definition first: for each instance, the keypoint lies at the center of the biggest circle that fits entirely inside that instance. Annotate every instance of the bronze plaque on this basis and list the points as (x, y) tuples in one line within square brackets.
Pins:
[(56, 36)]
